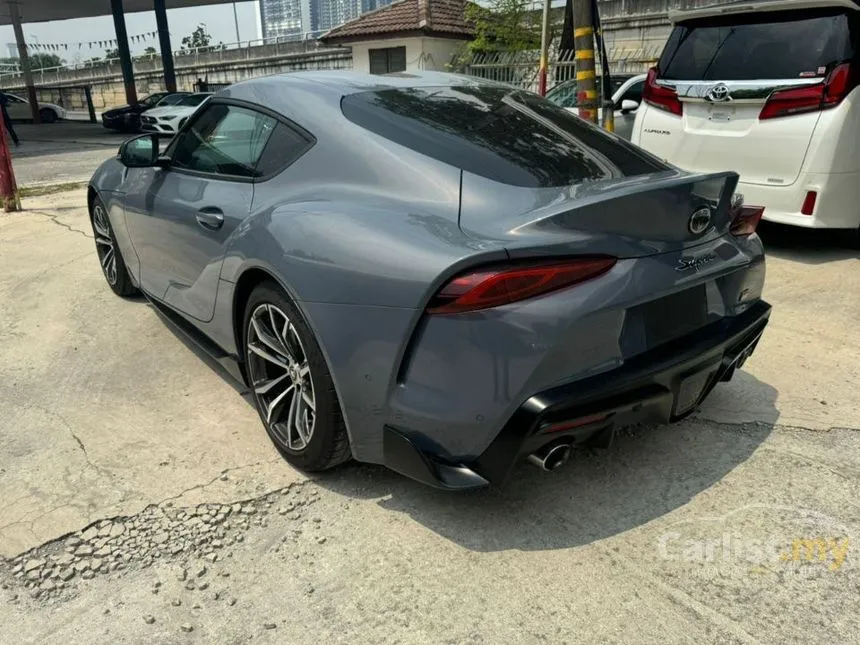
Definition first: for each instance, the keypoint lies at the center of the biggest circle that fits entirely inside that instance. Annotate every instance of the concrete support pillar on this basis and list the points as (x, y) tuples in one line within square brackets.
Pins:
[(164, 44), (24, 58), (124, 52)]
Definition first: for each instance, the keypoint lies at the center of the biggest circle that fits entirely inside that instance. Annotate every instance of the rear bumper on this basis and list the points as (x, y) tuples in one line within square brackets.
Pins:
[(836, 204), (662, 385)]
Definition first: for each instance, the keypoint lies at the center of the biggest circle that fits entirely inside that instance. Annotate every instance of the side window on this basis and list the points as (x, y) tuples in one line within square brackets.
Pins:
[(284, 147), (634, 92), (224, 140)]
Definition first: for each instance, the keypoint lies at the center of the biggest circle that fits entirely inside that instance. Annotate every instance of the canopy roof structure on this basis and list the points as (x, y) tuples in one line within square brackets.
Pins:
[(20, 12), (44, 10)]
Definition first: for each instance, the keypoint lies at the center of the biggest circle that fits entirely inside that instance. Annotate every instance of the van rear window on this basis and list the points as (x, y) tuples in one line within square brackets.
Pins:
[(777, 45)]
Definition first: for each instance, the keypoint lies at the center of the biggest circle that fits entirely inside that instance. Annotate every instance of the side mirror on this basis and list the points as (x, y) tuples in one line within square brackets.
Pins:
[(628, 106), (140, 152)]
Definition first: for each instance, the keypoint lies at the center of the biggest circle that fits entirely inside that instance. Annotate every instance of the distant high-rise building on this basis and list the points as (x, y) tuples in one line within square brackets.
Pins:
[(331, 13), (283, 17), (13, 50), (293, 17)]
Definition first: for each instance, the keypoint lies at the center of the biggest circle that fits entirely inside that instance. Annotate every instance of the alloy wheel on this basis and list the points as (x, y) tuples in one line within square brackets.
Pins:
[(104, 243), (281, 376)]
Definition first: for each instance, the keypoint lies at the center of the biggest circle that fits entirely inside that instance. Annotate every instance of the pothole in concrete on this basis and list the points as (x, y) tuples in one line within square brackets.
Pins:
[(199, 535)]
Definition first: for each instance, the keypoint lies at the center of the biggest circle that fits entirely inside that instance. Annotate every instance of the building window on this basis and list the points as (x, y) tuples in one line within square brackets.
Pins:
[(387, 60)]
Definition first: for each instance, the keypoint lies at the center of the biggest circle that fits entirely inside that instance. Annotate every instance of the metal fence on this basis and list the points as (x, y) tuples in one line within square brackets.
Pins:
[(520, 69), (10, 74)]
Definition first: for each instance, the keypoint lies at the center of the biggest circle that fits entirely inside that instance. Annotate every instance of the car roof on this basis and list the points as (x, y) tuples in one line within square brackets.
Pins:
[(347, 82), (748, 6)]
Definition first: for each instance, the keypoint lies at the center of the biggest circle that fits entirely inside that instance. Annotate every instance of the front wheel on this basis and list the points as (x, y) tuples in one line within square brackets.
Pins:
[(47, 115), (293, 389), (110, 257)]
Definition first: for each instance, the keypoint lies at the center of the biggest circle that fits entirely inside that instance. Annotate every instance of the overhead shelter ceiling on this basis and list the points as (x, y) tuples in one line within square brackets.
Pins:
[(44, 10)]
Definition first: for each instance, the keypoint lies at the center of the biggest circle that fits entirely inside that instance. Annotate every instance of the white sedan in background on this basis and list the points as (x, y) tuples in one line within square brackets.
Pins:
[(626, 94), (169, 119), (19, 110)]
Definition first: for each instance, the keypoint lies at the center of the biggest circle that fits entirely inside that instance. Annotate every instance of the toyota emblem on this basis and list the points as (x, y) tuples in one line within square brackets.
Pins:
[(719, 93), (700, 220)]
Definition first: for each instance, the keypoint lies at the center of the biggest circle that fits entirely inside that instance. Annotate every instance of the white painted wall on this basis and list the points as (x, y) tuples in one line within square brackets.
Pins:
[(438, 52), (421, 53)]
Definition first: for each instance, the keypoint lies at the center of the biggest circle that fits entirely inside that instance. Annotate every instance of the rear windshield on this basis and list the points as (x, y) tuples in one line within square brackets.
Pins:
[(778, 45), (497, 132)]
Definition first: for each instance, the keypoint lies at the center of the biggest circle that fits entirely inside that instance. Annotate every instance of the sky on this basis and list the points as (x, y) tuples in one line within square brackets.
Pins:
[(217, 18)]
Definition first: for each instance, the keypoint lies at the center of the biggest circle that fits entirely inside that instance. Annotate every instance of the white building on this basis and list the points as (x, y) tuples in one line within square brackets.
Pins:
[(405, 35)]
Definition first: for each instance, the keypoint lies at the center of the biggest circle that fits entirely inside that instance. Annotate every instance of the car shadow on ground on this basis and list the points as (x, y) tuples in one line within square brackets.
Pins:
[(809, 246), (646, 473)]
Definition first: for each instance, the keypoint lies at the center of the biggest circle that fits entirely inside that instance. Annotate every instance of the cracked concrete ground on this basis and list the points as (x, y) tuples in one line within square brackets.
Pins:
[(143, 502)]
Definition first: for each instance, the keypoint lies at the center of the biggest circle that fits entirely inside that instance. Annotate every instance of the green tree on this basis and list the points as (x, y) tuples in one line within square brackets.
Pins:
[(112, 53), (504, 25), (44, 61), (150, 51), (199, 38)]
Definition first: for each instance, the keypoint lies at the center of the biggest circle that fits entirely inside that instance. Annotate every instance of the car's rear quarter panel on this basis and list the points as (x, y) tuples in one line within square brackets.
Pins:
[(466, 374)]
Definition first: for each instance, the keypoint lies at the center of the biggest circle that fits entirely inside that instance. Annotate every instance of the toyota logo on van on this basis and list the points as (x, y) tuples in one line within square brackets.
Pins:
[(719, 93), (700, 220)]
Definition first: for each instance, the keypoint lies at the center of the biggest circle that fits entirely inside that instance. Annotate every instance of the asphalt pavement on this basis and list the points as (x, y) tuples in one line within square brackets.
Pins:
[(65, 152)]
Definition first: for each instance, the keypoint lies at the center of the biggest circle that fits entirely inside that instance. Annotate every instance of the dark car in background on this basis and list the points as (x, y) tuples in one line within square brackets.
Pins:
[(126, 118)]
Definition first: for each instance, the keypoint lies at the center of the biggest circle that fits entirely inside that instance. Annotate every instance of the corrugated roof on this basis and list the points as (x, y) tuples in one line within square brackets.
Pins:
[(424, 17)]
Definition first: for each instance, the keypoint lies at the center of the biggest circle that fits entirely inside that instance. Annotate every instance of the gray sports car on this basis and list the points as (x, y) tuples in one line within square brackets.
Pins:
[(432, 272)]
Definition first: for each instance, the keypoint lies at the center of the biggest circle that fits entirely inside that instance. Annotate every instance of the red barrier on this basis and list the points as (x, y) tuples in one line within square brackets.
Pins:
[(8, 187)]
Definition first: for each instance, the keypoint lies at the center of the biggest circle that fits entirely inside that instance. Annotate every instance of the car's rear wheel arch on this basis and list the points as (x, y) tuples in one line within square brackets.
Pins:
[(92, 194), (246, 284)]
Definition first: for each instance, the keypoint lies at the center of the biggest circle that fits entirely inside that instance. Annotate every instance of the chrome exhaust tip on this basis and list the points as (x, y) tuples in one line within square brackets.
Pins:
[(551, 458)]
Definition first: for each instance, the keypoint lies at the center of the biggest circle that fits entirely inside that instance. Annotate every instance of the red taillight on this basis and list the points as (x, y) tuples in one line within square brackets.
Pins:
[(496, 286), (809, 203), (812, 98), (745, 219), (659, 96)]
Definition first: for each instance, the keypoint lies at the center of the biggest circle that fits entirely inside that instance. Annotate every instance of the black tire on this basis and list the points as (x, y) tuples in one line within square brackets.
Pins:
[(47, 115), (328, 444), (117, 276)]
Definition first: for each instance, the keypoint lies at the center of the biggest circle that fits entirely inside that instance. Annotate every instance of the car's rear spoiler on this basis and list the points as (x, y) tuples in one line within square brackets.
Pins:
[(678, 15)]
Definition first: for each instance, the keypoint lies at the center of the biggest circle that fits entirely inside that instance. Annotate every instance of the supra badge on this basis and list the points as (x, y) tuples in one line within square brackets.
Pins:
[(695, 263)]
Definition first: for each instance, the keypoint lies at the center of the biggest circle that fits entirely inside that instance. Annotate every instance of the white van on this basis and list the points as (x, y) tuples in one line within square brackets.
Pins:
[(768, 89)]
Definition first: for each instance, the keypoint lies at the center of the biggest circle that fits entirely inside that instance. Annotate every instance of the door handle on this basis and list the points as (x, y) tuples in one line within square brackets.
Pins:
[(210, 217)]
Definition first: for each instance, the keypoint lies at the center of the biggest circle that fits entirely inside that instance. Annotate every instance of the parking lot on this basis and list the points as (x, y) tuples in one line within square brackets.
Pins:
[(143, 501)]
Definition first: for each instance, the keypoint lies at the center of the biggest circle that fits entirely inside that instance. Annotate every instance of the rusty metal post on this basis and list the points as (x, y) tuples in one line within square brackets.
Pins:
[(8, 186), (544, 48), (24, 57)]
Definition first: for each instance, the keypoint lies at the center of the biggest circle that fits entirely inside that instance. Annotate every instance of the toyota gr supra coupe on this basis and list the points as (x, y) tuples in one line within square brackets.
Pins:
[(432, 272)]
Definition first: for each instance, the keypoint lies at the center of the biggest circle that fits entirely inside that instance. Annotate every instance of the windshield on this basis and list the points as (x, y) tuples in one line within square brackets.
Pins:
[(779, 45), (193, 100), (507, 135), (151, 100), (564, 95), (171, 99)]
